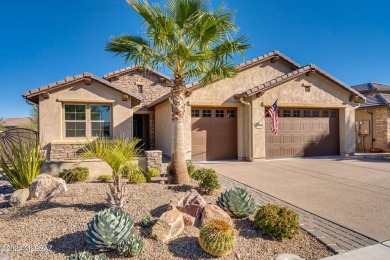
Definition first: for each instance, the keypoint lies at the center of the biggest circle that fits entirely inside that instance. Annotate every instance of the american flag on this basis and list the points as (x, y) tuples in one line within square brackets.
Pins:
[(273, 113)]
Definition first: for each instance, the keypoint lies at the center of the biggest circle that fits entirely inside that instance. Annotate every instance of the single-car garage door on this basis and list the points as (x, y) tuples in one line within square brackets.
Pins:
[(214, 133), (303, 132)]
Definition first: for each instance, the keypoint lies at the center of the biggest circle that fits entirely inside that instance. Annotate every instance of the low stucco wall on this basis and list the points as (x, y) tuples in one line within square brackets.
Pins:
[(96, 167)]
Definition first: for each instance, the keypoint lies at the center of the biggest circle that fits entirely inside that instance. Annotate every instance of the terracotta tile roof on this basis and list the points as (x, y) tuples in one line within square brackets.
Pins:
[(32, 94), (245, 65), (291, 75), (376, 100), (131, 68), (11, 122), (371, 87)]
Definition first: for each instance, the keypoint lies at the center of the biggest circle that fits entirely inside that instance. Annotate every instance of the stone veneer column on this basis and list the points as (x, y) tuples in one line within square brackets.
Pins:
[(153, 159), (152, 131)]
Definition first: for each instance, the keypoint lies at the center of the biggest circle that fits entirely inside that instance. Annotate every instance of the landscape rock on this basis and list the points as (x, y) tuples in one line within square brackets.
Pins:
[(170, 225), (19, 198), (215, 212), (192, 203), (287, 257), (172, 204), (189, 220), (5, 257), (45, 186)]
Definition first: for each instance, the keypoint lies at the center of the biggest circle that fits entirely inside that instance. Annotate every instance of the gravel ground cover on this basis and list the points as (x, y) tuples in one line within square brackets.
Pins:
[(54, 229)]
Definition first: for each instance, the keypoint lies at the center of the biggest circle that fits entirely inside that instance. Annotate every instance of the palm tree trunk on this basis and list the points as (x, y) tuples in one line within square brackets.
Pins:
[(178, 160)]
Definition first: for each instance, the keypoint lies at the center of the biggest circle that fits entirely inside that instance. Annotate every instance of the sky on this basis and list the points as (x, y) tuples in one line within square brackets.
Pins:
[(44, 41)]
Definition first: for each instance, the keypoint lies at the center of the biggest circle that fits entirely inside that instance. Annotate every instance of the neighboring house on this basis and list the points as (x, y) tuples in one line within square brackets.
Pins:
[(373, 117), (225, 120), (9, 123)]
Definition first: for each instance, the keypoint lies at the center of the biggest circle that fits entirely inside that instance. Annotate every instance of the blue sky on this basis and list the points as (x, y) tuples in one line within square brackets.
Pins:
[(44, 41)]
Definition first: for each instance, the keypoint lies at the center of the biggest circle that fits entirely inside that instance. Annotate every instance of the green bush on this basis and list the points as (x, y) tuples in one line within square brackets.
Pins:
[(105, 178), (208, 180), (136, 177), (75, 174), (22, 162), (154, 172), (190, 169), (276, 221)]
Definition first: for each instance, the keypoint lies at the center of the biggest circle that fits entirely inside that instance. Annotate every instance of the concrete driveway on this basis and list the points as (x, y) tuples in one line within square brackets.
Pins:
[(352, 192)]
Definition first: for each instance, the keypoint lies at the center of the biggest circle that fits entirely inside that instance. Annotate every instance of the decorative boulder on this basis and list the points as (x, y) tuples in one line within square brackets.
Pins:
[(45, 186), (192, 203), (215, 212), (170, 225), (287, 257), (188, 220), (19, 197)]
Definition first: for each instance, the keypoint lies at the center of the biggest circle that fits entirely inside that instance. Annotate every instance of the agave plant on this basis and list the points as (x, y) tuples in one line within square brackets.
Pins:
[(108, 228), (131, 246), (216, 237), (81, 256), (238, 202), (118, 154), (22, 162)]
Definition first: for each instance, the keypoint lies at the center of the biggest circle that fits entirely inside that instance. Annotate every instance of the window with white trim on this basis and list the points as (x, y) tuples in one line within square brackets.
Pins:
[(87, 120), (100, 120), (75, 120)]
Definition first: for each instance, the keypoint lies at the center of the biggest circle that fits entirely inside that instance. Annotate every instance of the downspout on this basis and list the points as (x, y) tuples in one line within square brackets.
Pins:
[(250, 128)]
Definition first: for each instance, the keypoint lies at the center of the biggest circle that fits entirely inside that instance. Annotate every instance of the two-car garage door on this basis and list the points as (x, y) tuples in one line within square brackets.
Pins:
[(303, 132)]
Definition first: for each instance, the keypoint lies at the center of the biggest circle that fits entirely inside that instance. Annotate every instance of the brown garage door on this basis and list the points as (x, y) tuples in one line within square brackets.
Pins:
[(303, 132), (214, 133)]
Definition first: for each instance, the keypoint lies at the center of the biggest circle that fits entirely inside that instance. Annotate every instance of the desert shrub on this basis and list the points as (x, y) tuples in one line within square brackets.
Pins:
[(105, 178), (154, 172), (208, 180), (74, 174), (136, 177), (22, 162), (276, 221), (190, 169)]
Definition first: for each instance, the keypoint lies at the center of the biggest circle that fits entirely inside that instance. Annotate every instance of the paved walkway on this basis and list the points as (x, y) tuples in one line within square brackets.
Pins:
[(343, 202)]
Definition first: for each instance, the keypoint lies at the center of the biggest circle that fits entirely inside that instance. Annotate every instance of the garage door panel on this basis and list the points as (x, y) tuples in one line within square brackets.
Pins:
[(219, 134), (304, 136)]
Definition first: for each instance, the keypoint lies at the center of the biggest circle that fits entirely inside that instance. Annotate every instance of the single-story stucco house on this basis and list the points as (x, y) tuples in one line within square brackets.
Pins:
[(224, 120), (14, 122), (373, 117)]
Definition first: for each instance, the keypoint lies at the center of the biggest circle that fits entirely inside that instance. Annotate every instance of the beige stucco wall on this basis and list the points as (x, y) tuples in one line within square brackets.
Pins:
[(380, 127), (323, 94), (51, 115), (219, 94)]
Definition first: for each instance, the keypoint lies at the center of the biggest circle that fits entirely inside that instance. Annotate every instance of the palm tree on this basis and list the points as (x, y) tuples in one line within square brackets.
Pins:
[(191, 41), (118, 154)]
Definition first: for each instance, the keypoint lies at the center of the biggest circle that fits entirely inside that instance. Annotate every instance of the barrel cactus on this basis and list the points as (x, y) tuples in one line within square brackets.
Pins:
[(146, 221), (131, 246), (108, 228), (238, 202), (216, 237)]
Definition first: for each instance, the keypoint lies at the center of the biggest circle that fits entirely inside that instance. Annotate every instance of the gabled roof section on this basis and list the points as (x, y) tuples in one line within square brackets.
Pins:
[(376, 100), (308, 69), (273, 55), (132, 68), (16, 121), (372, 87), (33, 95)]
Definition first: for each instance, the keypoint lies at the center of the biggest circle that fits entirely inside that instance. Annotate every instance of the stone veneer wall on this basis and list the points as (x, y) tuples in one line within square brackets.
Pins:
[(152, 131), (382, 128), (63, 152), (152, 88), (153, 159)]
